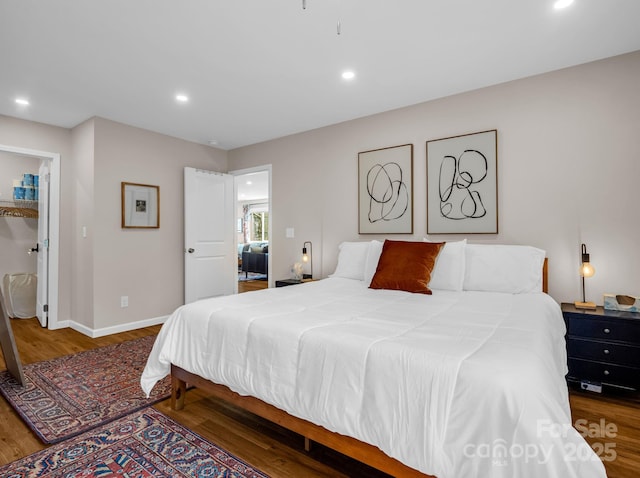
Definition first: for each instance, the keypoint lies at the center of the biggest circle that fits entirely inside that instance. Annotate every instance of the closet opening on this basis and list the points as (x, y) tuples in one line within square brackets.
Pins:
[(29, 225)]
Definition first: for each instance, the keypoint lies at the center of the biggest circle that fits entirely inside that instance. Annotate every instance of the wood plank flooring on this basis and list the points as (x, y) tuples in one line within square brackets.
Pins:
[(270, 448), (249, 285), (612, 426)]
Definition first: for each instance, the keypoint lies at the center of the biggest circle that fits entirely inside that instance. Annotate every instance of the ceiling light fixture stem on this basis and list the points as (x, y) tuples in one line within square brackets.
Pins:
[(304, 4)]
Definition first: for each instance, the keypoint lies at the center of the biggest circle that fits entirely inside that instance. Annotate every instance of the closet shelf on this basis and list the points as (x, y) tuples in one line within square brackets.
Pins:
[(19, 209)]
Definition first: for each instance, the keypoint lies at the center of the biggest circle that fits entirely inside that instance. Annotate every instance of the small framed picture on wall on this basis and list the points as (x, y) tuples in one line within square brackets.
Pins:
[(140, 205)]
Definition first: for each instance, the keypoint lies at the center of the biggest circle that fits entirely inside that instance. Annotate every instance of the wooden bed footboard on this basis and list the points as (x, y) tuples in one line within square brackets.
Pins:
[(348, 446)]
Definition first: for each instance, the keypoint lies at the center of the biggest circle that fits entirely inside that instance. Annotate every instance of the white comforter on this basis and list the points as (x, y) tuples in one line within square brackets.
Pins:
[(457, 384)]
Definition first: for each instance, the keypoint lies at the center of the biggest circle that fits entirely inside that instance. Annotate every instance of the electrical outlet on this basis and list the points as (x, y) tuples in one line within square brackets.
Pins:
[(124, 301)]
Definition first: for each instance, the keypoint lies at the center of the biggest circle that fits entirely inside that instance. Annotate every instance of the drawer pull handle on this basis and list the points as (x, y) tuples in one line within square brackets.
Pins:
[(606, 351), (606, 331), (606, 372)]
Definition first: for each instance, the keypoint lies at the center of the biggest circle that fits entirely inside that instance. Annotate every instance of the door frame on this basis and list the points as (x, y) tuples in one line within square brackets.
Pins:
[(54, 224), (241, 172)]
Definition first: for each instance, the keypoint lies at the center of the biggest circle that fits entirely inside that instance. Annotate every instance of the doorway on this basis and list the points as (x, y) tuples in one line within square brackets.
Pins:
[(253, 227), (46, 246)]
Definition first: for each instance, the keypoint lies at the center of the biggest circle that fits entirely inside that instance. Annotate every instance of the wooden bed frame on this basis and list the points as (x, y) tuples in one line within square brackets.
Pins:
[(348, 446), (351, 447)]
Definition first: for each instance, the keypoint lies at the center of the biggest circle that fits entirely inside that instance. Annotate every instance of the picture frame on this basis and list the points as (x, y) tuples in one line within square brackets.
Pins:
[(140, 206), (462, 184), (385, 190)]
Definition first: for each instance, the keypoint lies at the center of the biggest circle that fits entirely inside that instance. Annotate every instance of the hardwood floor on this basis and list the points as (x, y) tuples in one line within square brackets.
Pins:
[(612, 426), (249, 285), (270, 448)]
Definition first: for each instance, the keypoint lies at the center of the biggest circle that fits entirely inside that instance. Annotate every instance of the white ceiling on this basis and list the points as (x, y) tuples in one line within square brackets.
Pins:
[(260, 69), (253, 186)]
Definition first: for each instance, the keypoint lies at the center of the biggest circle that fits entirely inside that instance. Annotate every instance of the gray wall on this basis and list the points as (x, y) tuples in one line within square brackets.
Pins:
[(147, 266), (568, 166), (568, 159)]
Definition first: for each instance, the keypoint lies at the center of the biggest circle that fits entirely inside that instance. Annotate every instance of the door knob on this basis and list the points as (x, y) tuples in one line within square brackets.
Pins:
[(33, 249), (191, 250)]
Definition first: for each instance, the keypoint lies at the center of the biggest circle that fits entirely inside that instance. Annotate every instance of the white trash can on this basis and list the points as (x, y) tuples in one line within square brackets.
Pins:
[(20, 295)]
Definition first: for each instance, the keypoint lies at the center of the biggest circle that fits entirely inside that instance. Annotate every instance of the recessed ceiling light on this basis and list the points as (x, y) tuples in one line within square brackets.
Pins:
[(249, 183), (22, 101), (562, 4), (348, 75), (182, 98)]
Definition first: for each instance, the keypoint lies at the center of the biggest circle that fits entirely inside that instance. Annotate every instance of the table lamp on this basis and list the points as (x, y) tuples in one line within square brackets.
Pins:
[(586, 270), (307, 257)]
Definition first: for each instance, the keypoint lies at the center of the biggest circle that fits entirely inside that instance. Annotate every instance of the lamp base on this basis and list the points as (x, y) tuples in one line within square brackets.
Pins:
[(585, 305)]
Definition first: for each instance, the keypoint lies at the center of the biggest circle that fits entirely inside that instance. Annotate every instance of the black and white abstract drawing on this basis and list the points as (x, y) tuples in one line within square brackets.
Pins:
[(385, 190), (462, 184)]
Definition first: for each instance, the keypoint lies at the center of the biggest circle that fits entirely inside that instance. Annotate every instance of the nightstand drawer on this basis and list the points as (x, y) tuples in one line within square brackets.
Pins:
[(605, 329), (604, 351), (604, 373)]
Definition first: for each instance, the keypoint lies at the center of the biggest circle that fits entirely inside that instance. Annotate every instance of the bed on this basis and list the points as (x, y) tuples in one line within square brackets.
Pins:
[(464, 380)]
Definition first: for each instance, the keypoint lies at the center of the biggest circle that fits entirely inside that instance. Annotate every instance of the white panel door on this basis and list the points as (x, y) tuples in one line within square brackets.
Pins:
[(210, 265), (42, 294)]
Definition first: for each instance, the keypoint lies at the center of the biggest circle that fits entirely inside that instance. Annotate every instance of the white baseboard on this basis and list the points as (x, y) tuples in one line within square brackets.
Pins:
[(95, 333), (61, 325)]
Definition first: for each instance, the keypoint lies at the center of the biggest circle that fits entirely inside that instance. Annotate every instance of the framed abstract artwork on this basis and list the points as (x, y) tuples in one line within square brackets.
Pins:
[(462, 184), (140, 206), (385, 190)]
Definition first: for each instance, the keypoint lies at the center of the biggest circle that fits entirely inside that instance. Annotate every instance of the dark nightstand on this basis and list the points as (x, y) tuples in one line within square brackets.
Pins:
[(286, 282), (603, 348)]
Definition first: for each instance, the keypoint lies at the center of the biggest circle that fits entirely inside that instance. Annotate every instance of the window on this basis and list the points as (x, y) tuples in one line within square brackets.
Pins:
[(259, 226), (259, 223)]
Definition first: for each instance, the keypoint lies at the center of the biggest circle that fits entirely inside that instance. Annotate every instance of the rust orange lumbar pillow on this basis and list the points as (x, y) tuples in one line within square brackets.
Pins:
[(406, 265)]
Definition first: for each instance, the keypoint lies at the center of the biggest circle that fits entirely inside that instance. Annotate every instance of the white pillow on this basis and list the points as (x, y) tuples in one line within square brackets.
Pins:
[(503, 268), (371, 264), (448, 273), (351, 260)]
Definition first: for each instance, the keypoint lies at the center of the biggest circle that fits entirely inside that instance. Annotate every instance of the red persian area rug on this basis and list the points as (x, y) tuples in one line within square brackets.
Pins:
[(69, 395), (143, 444)]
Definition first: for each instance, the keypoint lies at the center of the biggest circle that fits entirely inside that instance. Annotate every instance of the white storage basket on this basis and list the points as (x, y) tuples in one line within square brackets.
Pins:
[(20, 295)]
